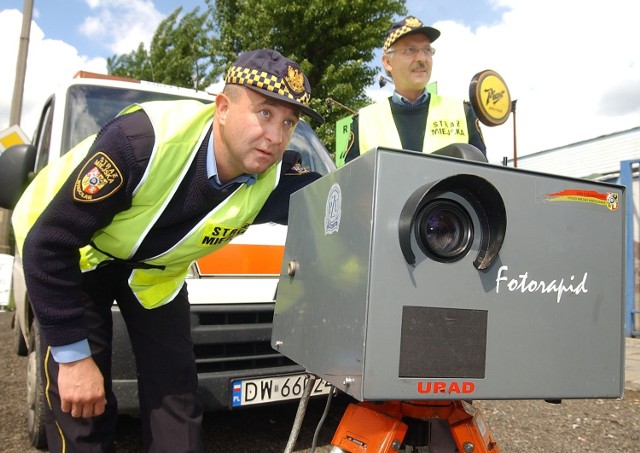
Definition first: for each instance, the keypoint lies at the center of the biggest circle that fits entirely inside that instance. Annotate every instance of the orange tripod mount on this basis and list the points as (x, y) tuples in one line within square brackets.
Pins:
[(369, 427)]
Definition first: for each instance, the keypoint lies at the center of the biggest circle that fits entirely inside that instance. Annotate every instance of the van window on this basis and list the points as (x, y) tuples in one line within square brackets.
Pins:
[(42, 139), (90, 107)]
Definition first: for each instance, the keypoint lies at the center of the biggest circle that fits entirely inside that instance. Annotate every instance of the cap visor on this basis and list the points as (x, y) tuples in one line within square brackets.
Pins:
[(430, 32)]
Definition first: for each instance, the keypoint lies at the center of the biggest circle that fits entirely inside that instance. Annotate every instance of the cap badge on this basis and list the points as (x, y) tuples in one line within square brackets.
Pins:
[(294, 80), (413, 22)]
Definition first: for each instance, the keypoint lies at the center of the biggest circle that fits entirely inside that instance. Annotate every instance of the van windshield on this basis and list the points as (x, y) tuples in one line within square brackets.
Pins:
[(90, 107)]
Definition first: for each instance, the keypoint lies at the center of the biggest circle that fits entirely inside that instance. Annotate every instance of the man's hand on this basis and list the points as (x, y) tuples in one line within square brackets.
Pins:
[(81, 387)]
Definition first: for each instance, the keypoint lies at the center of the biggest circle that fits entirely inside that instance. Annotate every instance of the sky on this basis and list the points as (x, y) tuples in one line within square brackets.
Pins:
[(573, 66)]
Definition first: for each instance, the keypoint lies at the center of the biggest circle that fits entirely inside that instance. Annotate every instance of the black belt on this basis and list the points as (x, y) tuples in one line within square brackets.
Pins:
[(129, 264)]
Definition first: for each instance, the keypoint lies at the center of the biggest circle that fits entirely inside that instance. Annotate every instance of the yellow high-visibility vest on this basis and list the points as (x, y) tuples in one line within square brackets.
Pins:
[(446, 124), (179, 127)]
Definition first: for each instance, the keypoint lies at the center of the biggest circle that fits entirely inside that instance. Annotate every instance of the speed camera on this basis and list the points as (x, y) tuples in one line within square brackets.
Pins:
[(418, 276)]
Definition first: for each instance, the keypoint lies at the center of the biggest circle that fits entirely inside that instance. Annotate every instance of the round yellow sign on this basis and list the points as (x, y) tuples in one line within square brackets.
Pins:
[(490, 98)]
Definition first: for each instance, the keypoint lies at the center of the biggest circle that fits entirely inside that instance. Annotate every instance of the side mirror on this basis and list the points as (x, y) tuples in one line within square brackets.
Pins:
[(16, 163)]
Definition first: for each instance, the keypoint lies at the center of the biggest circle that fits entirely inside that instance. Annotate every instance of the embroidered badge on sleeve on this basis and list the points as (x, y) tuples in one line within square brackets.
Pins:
[(98, 179)]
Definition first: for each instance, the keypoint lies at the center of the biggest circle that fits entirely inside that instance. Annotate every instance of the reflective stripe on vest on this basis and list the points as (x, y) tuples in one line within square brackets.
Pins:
[(174, 131), (446, 124)]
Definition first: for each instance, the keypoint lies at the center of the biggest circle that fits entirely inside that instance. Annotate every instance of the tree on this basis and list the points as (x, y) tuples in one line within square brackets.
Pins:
[(334, 42), (135, 65), (177, 54)]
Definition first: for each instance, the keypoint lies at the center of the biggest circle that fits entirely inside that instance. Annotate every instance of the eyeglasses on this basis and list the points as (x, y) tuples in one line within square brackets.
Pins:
[(412, 52)]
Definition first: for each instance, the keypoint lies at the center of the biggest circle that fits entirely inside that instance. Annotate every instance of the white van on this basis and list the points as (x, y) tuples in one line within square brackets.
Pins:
[(232, 291)]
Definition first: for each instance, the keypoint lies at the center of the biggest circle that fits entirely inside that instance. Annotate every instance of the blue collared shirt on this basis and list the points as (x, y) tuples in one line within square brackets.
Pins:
[(71, 352), (401, 100)]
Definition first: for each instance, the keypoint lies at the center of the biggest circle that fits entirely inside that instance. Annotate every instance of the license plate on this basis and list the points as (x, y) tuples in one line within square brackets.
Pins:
[(245, 392)]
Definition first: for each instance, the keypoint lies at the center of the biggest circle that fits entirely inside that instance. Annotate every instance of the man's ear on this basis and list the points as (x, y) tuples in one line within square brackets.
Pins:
[(222, 107), (386, 63)]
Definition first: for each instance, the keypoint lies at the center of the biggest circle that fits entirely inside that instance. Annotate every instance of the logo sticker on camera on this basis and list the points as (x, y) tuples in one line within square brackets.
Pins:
[(609, 199), (333, 210)]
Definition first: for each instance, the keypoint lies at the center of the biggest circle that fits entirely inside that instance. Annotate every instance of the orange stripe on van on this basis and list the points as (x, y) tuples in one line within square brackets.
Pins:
[(236, 259)]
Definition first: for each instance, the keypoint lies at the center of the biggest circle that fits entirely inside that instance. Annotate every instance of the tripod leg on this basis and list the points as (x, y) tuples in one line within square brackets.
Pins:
[(472, 433), (364, 430)]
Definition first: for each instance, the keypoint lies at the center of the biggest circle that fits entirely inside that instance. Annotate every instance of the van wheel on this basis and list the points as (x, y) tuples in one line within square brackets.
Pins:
[(19, 344), (35, 390)]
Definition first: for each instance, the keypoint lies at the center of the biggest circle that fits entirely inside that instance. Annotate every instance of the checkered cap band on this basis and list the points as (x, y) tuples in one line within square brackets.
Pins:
[(409, 25), (263, 80)]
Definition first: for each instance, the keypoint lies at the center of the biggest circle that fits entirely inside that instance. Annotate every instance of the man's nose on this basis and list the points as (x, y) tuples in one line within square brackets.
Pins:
[(275, 134), (422, 55)]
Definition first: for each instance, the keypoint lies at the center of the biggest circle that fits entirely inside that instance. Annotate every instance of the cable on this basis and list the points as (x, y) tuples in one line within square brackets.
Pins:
[(302, 408), (322, 419)]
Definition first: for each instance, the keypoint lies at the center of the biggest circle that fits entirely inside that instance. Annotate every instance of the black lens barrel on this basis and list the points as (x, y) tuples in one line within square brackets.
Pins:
[(444, 230)]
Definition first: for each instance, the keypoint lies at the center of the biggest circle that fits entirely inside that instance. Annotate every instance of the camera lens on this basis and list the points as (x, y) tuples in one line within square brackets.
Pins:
[(444, 230)]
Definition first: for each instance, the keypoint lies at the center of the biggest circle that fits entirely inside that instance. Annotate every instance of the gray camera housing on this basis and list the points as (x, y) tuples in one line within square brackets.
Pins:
[(534, 309)]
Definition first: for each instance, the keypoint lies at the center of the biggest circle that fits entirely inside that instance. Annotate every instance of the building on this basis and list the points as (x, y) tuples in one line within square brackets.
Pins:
[(597, 158)]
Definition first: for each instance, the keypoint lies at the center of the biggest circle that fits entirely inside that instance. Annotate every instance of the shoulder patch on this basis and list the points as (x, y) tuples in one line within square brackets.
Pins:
[(98, 179)]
